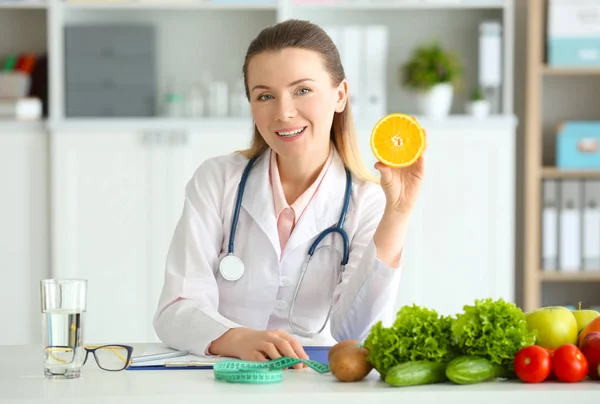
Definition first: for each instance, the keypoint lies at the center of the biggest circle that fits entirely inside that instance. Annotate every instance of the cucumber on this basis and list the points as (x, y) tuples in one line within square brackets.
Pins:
[(416, 373), (472, 369)]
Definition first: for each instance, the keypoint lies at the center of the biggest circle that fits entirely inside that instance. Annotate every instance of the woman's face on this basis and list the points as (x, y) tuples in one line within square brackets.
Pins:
[(293, 101)]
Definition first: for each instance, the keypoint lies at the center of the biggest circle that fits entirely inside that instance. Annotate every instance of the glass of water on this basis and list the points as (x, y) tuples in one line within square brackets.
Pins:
[(63, 308)]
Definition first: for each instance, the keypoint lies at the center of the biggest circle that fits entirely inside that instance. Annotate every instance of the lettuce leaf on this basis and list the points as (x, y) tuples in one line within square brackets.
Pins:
[(496, 330), (417, 334)]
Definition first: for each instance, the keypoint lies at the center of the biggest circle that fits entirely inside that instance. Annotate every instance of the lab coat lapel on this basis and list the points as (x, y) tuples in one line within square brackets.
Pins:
[(258, 201), (324, 209)]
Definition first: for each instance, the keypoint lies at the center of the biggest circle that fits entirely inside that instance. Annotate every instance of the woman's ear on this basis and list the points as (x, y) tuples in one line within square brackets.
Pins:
[(342, 96)]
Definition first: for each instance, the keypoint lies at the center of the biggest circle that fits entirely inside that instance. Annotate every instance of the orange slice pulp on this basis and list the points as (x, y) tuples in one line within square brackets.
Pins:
[(397, 140)]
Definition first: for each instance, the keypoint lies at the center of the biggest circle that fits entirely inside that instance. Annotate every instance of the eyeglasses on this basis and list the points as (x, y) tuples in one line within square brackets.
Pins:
[(112, 358)]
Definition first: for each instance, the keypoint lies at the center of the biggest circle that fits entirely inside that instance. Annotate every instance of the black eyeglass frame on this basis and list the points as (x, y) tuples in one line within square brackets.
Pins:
[(93, 350)]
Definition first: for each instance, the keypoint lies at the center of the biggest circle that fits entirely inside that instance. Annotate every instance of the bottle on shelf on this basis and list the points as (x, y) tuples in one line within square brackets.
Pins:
[(174, 101)]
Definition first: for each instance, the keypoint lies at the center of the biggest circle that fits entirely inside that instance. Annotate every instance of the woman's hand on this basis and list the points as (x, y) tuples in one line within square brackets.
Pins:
[(259, 346), (401, 185)]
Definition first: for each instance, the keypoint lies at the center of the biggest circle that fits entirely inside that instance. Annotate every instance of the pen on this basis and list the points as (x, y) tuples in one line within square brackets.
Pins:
[(153, 357)]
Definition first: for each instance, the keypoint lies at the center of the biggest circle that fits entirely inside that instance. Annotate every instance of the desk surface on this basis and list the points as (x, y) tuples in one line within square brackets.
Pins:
[(22, 381)]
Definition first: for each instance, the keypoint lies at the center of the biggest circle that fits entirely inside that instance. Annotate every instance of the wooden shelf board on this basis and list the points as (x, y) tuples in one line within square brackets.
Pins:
[(558, 276), (570, 71), (553, 172)]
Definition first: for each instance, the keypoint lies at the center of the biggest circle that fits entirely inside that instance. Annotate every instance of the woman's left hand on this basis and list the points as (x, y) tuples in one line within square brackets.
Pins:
[(401, 185)]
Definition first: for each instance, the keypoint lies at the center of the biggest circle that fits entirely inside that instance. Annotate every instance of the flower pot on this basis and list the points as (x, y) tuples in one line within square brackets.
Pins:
[(479, 108), (437, 101)]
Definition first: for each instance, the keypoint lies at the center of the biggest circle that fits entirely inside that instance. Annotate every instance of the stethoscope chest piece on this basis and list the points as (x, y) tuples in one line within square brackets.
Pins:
[(231, 267)]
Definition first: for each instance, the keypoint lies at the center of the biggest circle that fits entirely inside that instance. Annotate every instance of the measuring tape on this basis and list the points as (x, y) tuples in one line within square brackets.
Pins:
[(239, 371)]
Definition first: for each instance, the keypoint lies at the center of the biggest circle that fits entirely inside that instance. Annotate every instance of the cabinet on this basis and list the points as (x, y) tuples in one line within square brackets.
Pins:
[(460, 244), (117, 196), (23, 232)]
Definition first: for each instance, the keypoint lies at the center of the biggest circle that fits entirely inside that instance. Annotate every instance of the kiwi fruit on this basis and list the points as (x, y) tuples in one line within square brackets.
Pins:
[(350, 364), (341, 344)]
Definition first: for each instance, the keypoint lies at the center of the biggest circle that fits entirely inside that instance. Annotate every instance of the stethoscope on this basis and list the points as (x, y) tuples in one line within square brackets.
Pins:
[(232, 267)]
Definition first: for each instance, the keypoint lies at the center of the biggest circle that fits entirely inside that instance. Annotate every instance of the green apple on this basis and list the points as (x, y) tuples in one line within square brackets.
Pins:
[(555, 326), (584, 317)]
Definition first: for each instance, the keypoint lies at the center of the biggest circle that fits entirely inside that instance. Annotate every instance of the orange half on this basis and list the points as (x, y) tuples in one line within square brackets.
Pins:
[(397, 140)]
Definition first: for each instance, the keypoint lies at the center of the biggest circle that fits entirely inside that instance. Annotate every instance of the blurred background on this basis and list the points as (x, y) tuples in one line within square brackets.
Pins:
[(108, 106)]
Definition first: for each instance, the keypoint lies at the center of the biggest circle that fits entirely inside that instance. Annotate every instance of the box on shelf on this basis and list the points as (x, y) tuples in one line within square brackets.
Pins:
[(578, 145), (573, 33)]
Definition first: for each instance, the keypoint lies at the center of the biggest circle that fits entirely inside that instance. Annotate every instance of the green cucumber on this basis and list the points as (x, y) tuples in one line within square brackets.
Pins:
[(472, 369), (416, 373)]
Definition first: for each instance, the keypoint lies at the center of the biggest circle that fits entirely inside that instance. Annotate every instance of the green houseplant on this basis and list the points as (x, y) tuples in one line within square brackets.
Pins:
[(433, 73), (478, 105)]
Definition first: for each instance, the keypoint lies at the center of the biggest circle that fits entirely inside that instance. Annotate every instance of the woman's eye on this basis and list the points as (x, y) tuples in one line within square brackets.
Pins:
[(264, 97), (304, 91)]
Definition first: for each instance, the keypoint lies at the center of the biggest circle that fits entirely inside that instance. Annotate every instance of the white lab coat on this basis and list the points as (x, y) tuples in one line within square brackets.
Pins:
[(197, 305)]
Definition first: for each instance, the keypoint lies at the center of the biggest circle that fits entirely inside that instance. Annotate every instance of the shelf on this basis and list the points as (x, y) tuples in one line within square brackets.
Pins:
[(558, 276), (19, 5), (170, 5), (399, 4), (553, 172), (574, 71), (158, 123), (457, 122), (8, 126)]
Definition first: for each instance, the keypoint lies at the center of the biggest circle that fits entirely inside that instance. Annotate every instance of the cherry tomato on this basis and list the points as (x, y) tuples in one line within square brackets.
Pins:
[(569, 364), (533, 364), (551, 376)]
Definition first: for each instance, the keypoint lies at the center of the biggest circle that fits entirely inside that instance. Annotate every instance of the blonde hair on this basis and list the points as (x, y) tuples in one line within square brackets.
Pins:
[(305, 35)]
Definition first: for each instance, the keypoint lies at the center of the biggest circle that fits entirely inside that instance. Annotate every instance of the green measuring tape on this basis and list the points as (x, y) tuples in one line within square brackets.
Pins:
[(239, 371)]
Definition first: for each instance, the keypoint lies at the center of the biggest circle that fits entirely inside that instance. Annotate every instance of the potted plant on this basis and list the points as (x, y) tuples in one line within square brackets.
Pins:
[(478, 106), (433, 73)]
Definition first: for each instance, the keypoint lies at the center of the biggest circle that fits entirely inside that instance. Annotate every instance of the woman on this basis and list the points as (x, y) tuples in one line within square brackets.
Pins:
[(303, 141)]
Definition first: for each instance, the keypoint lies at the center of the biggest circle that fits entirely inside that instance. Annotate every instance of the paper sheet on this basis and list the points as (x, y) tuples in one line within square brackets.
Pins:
[(158, 349)]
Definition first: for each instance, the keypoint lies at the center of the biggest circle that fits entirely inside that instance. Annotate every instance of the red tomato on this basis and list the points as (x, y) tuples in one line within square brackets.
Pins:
[(569, 364), (533, 364)]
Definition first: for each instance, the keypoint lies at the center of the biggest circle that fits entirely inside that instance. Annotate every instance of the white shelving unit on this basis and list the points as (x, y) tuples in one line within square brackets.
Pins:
[(100, 197), (197, 37)]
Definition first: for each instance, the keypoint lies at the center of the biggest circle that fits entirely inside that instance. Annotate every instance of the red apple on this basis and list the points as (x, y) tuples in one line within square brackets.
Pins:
[(590, 347)]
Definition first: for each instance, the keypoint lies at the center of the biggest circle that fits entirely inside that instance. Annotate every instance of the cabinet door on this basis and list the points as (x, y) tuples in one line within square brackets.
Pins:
[(172, 160), (460, 244), (23, 233), (102, 228)]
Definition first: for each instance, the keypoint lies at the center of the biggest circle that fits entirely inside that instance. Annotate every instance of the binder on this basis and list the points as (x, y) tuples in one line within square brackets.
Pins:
[(550, 225), (376, 42), (570, 226), (591, 226), (351, 49)]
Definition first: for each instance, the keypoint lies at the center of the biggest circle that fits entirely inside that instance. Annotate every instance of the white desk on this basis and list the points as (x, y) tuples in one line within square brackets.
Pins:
[(22, 381)]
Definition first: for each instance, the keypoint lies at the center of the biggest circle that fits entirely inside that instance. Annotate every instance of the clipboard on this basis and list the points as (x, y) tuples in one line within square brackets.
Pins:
[(191, 362)]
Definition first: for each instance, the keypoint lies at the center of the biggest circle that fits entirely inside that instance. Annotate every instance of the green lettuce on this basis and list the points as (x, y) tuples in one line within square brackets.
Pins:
[(417, 334), (496, 330)]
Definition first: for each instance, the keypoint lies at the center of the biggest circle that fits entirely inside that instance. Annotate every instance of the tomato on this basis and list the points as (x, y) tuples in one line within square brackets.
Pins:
[(533, 364), (569, 364), (551, 376)]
